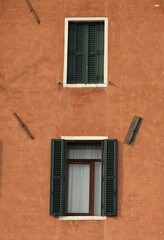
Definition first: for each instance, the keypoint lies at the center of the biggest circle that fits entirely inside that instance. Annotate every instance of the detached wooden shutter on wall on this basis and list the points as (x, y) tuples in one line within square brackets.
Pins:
[(58, 169), (109, 178)]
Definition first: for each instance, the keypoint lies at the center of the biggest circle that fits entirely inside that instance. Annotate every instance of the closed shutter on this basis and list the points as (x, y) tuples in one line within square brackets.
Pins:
[(85, 53), (109, 181), (71, 53), (76, 53), (80, 71), (58, 170), (96, 53)]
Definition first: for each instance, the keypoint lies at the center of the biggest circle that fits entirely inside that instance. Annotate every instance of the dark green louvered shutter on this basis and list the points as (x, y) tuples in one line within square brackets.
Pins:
[(85, 53), (71, 53), (109, 178), (80, 73), (58, 170), (76, 53), (96, 53)]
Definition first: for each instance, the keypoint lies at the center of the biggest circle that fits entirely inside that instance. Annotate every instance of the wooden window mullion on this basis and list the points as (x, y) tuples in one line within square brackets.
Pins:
[(82, 161), (91, 197)]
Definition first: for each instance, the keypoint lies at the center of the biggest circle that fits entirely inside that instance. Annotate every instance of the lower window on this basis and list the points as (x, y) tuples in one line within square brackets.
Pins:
[(83, 178)]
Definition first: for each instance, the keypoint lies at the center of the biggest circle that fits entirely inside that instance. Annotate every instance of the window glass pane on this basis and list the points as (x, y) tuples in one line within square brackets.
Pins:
[(84, 152), (78, 188), (97, 189)]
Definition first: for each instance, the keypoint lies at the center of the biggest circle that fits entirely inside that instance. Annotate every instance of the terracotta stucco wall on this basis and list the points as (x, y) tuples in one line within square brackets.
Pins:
[(31, 66)]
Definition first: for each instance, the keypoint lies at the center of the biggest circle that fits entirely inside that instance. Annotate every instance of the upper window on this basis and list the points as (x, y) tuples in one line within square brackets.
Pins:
[(85, 53), (84, 178)]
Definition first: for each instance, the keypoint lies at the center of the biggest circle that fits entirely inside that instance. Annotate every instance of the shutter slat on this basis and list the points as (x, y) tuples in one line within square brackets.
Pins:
[(79, 76)]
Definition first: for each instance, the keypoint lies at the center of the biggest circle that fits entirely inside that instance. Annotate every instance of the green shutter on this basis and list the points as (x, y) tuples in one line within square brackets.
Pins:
[(76, 53), (92, 41), (100, 53), (71, 53), (109, 181), (96, 53), (80, 73), (58, 170), (85, 53)]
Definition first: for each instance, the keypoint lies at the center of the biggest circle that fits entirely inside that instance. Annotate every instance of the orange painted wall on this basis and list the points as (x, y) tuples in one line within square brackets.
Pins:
[(31, 65)]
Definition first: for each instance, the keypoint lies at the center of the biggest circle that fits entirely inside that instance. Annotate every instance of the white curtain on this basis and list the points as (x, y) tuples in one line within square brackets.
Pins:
[(79, 179), (84, 152), (97, 189), (78, 188)]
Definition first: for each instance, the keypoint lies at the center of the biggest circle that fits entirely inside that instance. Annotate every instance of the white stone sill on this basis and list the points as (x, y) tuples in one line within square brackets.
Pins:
[(85, 85), (82, 218)]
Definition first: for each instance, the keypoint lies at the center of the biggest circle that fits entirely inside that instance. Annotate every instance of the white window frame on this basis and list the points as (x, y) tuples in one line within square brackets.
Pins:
[(86, 19)]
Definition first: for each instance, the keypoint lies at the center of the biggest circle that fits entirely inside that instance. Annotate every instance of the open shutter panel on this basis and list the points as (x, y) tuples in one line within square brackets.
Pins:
[(110, 177), (96, 53), (57, 188)]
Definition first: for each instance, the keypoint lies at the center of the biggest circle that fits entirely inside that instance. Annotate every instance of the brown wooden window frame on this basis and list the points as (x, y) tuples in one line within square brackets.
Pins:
[(91, 162)]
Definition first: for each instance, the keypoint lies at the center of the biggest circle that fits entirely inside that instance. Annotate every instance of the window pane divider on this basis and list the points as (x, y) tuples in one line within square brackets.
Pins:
[(91, 197), (81, 161)]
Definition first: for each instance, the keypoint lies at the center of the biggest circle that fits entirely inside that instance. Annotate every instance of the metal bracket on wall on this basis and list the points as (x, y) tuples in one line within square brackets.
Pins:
[(33, 11), (133, 130), (23, 125)]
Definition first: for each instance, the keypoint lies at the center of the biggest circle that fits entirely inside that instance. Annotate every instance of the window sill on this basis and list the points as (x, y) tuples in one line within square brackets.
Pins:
[(82, 218), (84, 85)]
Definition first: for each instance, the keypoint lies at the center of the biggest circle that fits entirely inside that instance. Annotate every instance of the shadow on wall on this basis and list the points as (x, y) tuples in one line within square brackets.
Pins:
[(1, 148), (120, 178)]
